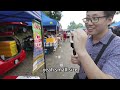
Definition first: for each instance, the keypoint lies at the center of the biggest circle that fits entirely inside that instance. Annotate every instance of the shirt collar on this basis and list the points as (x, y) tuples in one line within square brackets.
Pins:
[(105, 39)]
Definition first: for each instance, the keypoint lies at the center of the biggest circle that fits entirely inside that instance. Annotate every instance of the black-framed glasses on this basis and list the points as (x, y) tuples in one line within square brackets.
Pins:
[(93, 19)]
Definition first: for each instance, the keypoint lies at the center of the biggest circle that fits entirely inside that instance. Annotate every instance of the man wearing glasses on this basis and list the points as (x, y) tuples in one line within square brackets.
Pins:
[(87, 48)]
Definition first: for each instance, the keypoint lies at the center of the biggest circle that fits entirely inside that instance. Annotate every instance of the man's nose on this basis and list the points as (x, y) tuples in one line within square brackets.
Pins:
[(89, 22)]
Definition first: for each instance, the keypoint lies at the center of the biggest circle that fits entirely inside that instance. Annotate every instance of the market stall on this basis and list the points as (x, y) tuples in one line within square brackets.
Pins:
[(50, 40), (51, 35), (52, 30)]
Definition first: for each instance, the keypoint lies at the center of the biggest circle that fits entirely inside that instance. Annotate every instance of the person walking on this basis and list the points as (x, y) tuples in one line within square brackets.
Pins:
[(64, 36)]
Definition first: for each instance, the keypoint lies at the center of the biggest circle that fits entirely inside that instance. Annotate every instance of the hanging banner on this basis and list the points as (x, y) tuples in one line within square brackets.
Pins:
[(38, 54)]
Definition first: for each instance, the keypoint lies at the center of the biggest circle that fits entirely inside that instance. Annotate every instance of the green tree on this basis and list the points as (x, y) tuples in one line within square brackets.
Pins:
[(73, 25), (54, 14), (80, 25)]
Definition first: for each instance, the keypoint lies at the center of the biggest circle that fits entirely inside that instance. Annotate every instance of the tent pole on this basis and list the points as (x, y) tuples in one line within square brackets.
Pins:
[(43, 49)]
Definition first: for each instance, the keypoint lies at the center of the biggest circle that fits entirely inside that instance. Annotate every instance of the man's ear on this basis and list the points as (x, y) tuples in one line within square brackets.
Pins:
[(110, 19)]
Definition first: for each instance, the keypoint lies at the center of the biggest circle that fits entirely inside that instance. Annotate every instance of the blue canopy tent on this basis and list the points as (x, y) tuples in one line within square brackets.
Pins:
[(19, 16), (116, 24), (47, 22)]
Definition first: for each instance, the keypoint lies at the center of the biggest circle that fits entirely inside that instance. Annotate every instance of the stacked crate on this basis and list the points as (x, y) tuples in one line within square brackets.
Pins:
[(50, 42), (8, 48)]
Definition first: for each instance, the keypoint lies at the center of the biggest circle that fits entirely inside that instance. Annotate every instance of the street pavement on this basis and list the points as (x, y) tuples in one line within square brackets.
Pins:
[(58, 61)]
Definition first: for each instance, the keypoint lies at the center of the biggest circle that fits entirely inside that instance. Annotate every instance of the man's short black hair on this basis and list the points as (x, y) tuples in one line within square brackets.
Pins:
[(109, 13)]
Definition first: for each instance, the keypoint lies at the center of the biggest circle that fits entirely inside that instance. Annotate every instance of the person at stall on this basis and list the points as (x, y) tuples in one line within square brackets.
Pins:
[(45, 33), (50, 35)]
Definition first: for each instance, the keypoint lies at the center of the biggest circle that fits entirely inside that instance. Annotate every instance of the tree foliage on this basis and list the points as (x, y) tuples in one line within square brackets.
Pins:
[(73, 25), (54, 14)]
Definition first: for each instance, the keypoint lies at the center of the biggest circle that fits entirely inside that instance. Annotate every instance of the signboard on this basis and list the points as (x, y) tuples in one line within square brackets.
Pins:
[(38, 54)]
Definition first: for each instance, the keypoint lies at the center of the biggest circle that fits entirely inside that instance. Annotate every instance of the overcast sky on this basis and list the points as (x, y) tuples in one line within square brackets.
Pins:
[(77, 16)]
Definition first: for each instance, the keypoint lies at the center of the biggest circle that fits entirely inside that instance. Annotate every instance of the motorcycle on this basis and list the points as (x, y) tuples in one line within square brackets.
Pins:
[(28, 43)]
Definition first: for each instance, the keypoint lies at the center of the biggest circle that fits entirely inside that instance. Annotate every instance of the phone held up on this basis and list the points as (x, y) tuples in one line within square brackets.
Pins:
[(72, 45)]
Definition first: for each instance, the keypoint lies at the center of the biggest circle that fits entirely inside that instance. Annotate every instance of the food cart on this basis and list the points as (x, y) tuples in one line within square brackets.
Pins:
[(50, 42), (52, 28)]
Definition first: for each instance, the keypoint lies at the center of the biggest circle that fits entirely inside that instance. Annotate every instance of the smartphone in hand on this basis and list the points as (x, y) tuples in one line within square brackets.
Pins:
[(74, 52), (72, 45)]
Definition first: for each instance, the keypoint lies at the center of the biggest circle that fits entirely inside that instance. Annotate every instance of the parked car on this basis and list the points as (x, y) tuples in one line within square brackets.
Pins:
[(9, 62)]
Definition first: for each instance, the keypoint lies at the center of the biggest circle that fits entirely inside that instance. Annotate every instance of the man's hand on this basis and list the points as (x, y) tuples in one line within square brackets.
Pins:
[(75, 59), (79, 39)]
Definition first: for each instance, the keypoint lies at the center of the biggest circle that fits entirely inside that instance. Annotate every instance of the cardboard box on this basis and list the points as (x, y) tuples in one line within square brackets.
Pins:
[(50, 40), (8, 48), (6, 43)]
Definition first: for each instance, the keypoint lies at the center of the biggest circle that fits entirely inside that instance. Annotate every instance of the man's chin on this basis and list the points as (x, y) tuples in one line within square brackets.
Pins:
[(91, 33)]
